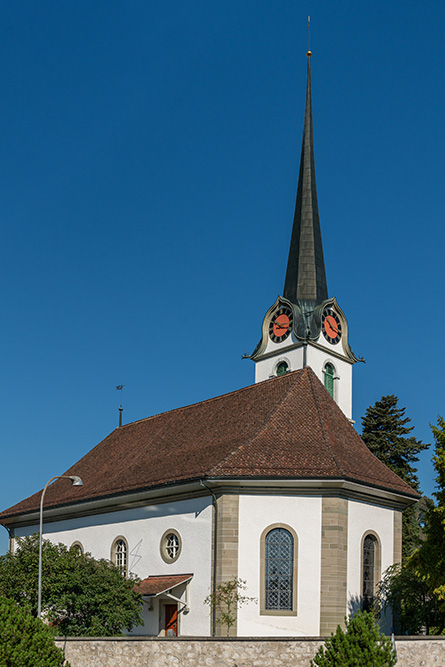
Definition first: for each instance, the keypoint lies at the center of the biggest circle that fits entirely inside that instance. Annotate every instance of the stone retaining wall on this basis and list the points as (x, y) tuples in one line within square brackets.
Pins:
[(227, 652)]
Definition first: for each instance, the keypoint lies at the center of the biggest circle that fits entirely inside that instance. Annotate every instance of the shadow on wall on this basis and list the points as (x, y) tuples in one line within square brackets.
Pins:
[(384, 618)]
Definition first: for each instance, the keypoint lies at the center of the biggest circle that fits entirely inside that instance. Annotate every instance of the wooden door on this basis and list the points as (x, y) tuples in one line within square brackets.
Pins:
[(171, 620)]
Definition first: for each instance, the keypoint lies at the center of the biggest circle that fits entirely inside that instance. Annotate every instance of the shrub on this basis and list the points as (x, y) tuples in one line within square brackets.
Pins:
[(25, 641), (362, 644)]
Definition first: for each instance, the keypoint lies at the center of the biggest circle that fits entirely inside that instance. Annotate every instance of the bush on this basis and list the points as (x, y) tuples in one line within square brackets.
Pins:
[(81, 596), (25, 641), (362, 644)]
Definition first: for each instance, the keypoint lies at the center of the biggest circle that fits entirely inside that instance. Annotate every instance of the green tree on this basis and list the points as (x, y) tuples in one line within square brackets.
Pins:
[(429, 559), (361, 644), (25, 640), (386, 433), (81, 596), (226, 600), (404, 590)]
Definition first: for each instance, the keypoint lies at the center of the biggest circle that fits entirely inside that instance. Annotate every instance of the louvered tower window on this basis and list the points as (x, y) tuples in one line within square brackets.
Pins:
[(279, 569), (329, 372)]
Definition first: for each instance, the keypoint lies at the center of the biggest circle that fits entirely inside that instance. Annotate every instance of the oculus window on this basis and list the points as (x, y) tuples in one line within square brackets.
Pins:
[(171, 546)]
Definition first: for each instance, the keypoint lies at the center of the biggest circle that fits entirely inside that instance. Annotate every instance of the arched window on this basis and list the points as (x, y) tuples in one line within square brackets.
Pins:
[(278, 570), (77, 547), (119, 554), (370, 569), (282, 368), (329, 373)]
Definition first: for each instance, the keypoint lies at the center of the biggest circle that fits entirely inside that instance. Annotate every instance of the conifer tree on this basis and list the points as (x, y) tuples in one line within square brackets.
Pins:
[(387, 434), (362, 644)]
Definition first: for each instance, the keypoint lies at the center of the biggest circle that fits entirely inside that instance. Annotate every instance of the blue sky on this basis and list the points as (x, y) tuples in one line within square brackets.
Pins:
[(149, 162)]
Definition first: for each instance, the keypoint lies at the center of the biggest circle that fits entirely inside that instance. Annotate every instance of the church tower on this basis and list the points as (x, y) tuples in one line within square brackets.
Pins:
[(304, 327)]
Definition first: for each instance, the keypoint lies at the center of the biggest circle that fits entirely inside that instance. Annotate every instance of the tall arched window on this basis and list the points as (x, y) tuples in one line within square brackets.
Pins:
[(370, 570), (119, 554), (329, 373), (278, 570)]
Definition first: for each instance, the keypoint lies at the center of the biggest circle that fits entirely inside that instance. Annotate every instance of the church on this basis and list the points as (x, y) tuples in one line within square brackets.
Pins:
[(270, 483)]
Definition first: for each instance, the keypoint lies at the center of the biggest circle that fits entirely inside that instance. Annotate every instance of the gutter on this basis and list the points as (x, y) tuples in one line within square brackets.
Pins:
[(215, 525)]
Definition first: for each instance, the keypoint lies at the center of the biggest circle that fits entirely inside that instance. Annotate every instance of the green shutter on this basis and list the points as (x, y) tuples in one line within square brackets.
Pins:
[(329, 379)]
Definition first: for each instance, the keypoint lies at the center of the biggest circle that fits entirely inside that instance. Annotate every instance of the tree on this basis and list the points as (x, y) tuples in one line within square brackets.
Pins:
[(80, 595), (429, 559), (226, 600), (386, 434), (361, 644), (417, 587), (25, 640), (404, 590)]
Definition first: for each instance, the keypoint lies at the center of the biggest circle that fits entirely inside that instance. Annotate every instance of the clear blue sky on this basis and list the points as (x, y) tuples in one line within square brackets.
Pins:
[(149, 162)]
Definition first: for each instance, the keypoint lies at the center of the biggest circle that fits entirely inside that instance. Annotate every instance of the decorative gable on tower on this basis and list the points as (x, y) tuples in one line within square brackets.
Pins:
[(304, 327)]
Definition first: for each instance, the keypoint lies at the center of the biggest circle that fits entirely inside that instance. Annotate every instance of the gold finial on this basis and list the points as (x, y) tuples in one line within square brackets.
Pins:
[(309, 52)]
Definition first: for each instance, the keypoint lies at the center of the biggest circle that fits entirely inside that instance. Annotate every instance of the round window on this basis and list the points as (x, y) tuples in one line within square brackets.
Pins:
[(171, 545)]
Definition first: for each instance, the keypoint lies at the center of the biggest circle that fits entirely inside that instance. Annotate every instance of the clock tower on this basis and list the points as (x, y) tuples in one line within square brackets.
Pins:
[(304, 327)]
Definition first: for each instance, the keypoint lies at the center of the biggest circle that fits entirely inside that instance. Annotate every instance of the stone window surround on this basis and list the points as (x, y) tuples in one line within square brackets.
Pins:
[(377, 560), (163, 546), (79, 546), (278, 612), (113, 553)]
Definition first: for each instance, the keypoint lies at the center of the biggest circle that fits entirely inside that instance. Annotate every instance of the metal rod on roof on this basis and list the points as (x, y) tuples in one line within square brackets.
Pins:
[(120, 388)]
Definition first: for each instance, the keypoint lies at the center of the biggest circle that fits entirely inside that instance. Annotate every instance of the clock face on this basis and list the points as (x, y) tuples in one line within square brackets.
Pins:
[(281, 324), (331, 326)]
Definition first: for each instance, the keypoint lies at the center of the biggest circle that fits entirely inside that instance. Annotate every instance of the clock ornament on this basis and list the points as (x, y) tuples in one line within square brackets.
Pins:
[(331, 326), (280, 324)]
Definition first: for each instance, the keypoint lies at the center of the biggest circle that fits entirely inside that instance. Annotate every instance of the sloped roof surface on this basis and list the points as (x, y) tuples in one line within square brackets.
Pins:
[(288, 427), (160, 583)]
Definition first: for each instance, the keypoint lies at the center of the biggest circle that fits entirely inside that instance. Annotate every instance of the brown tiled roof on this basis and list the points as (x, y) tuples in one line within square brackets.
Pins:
[(161, 583), (288, 427)]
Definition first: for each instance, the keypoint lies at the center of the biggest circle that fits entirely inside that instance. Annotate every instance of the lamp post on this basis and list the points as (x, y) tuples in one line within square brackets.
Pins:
[(76, 481)]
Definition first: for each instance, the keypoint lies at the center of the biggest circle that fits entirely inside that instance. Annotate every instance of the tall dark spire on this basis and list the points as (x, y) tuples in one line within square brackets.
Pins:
[(305, 282)]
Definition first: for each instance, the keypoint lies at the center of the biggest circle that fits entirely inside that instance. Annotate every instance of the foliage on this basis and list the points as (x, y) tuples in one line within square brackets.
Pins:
[(386, 434), (226, 600), (361, 644), (408, 594), (81, 596), (429, 559), (417, 588), (25, 641)]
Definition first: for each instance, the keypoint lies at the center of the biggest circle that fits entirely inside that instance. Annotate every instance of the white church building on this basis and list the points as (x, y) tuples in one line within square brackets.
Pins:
[(270, 483)]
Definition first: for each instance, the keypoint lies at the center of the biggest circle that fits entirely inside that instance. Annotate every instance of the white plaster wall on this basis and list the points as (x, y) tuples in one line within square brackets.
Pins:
[(363, 517), (316, 359), (264, 369), (143, 528), (303, 514)]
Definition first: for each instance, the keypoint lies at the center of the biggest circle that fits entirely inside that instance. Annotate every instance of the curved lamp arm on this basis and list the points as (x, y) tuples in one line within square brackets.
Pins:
[(76, 481)]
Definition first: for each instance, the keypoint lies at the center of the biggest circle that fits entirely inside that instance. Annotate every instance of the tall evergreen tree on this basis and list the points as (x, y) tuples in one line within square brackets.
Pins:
[(387, 434)]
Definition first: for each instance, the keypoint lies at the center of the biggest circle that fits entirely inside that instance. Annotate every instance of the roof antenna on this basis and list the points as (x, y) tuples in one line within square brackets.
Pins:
[(121, 409), (309, 52)]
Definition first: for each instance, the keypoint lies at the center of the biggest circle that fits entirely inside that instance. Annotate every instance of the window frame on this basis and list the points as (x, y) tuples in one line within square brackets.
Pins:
[(333, 376), (78, 545), (114, 554), (163, 546), (377, 564), (278, 612)]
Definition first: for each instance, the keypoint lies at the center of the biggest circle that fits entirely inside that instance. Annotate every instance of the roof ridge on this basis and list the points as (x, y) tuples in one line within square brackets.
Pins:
[(320, 415), (207, 400), (263, 426)]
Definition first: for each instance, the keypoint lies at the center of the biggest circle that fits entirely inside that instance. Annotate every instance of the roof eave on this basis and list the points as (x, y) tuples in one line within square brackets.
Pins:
[(348, 487)]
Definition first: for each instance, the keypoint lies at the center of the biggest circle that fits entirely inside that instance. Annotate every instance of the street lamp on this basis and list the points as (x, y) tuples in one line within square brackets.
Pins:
[(76, 481)]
